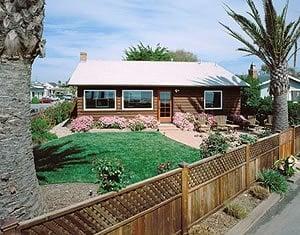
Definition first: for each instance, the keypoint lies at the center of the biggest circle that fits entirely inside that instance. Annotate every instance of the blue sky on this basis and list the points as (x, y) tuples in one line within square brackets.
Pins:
[(104, 28)]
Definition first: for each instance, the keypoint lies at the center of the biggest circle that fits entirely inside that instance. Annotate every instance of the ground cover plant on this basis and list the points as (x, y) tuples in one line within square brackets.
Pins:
[(70, 159), (273, 180), (216, 143)]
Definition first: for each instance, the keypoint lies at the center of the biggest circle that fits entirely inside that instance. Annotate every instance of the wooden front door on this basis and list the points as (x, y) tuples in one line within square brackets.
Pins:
[(165, 105)]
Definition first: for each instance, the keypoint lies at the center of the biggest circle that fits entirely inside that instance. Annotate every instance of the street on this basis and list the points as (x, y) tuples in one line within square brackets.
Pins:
[(283, 218)]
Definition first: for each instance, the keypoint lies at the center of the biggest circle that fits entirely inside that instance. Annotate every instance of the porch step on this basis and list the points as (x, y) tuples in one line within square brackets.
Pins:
[(167, 126)]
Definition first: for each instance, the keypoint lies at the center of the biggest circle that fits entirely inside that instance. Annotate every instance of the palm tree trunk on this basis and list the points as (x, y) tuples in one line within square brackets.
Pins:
[(19, 189), (279, 90)]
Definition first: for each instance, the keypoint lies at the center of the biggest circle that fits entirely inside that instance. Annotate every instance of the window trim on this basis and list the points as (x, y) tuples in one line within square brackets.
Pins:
[(219, 91), (138, 109), (95, 109)]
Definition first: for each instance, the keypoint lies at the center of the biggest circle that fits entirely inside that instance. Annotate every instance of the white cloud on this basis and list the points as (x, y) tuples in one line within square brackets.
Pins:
[(104, 28)]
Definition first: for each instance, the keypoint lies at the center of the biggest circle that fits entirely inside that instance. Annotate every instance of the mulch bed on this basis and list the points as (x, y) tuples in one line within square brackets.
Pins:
[(58, 196), (219, 223)]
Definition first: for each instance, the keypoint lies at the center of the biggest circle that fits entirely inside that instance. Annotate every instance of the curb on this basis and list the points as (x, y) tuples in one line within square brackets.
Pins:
[(243, 226)]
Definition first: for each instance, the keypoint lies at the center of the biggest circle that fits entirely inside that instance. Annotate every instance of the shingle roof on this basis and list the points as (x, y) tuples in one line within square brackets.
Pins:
[(149, 73)]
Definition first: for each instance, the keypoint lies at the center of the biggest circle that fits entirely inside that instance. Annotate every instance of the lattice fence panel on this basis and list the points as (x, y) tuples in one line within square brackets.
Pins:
[(263, 146), (113, 210), (208, 170)]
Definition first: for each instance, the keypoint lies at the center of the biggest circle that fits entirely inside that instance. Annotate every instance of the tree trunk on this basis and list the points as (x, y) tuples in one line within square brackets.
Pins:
[(279, 90), (19, 189)]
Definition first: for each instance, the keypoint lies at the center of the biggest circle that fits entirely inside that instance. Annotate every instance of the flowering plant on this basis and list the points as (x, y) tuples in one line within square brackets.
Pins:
[(113, 122), (183, 121), (83, 123), (148, 121)]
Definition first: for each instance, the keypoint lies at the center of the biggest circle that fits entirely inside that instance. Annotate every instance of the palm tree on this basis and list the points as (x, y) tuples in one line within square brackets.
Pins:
[(272, 41), (21, 27)]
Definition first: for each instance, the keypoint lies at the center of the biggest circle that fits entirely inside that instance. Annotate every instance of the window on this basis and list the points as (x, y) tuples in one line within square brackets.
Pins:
[(295, 95), (99, 100), (213, 100), (137, 99)]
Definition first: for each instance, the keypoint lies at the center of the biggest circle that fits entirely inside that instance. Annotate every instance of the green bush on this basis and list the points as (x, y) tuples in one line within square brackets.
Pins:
[(136, 125), (35, 100), (273, 180), (40, 130), (110, 174), (236, 210), (286, 166), (294, 113), (164, 167), (264, 133), (215, 144), (247, 139), (59, 112)]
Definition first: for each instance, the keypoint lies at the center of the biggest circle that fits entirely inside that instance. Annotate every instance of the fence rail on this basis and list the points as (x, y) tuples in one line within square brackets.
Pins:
[(172, 202)]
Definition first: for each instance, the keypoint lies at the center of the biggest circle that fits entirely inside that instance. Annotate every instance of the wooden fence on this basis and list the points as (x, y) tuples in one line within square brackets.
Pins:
[(172, 202)]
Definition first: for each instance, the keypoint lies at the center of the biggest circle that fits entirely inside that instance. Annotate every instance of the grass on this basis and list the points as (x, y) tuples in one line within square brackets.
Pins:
[(70, 159)]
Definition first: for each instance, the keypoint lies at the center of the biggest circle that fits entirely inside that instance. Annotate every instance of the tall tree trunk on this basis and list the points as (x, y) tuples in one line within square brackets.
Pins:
[(19, 189), (279, 90)]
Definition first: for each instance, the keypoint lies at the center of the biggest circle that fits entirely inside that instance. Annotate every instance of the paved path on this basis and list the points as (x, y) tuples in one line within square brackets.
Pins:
[(282, 219), (190, 138)]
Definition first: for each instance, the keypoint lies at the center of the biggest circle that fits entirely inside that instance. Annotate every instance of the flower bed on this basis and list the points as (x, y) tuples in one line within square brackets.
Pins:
[(193, 122), (140, 122)]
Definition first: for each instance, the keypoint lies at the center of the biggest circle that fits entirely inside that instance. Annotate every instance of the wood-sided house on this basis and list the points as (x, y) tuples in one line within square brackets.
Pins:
[(129, 88)]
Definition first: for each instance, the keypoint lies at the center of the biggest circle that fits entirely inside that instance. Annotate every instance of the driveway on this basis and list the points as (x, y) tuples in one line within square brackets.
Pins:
[(283, 218)]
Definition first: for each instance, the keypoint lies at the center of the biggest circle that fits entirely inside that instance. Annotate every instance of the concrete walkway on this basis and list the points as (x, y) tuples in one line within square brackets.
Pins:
[(190, 138), (282, 219)]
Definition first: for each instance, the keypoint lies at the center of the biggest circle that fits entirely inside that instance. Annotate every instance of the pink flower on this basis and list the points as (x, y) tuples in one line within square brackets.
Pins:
[(113, 122), (83, 123), (182, 121)]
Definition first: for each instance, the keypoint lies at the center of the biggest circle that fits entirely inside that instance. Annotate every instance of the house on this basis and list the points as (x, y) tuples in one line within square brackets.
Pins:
[(294, 89), (128, 88), (37, 90)]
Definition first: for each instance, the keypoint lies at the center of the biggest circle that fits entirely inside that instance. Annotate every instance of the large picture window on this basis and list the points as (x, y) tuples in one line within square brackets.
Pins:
[(99, 100), (137, 99), (213, 100)]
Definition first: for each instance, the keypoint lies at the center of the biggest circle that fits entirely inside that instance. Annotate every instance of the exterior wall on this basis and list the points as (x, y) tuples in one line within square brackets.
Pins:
[(36, 92), (294, 86), (184, 100)]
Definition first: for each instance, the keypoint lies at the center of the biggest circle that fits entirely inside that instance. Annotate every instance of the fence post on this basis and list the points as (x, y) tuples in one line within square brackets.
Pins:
[(293, 151), (248, 166), (185, 221), (9, 227)]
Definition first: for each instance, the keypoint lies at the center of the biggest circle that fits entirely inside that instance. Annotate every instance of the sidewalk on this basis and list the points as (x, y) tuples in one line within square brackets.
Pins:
[(283, 218)]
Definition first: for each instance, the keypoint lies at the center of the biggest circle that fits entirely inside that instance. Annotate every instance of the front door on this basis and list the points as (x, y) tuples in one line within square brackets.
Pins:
[(165, 106)]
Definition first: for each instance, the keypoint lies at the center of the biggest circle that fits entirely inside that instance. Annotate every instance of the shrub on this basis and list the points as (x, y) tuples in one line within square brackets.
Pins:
[(110, 174), (236, 210), (264, 133), (273, 180), (286, 166), (216, 143), (40, 131), (35, 100), (148, 121), (247, 139), (83, 123), (136, 125), (259, 192), (113, 122), (183, 121), (59, 112), (164, 167), (294, 113)]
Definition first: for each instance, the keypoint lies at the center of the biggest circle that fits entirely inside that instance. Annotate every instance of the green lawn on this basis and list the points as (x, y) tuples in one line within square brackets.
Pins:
[(70, 159)]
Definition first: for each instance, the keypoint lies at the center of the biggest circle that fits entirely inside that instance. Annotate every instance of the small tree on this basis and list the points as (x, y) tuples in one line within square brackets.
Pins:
[(184, 56), (147, 53)]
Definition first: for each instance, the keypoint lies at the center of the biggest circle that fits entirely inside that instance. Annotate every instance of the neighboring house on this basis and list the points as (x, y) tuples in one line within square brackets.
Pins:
[(294, 89), (50, 88), (37, 90), (128, 88)]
